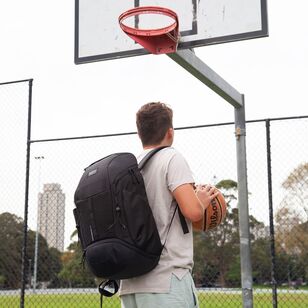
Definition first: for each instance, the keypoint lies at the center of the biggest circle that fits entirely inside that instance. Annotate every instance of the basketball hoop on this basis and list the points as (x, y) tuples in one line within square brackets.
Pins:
[(157, 41)]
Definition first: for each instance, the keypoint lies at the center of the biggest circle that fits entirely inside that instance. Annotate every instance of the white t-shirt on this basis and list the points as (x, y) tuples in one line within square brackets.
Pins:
[(165, 171)]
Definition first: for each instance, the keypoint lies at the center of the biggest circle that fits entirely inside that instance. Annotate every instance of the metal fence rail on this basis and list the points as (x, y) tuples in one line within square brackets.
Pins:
[(42, 269)]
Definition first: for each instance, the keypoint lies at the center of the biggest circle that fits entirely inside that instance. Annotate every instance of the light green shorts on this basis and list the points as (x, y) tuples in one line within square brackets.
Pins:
[(182, 295)]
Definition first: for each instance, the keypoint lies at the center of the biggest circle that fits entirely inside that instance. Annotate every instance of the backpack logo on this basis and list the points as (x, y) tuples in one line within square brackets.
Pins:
[(92, 172)]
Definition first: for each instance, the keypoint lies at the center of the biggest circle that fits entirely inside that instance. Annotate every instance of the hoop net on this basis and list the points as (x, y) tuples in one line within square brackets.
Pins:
[(157, 41)]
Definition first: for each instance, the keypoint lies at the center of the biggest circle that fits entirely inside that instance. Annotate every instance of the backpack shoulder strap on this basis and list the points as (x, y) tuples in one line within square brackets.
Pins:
[(147, 157), (182, 218), (183, 221)]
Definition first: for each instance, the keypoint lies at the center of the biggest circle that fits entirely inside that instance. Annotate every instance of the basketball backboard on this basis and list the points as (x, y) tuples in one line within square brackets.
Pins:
[(98, 35)]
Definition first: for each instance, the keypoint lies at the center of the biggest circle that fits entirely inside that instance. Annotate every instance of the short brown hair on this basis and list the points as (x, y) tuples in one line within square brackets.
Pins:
[(153, 120)]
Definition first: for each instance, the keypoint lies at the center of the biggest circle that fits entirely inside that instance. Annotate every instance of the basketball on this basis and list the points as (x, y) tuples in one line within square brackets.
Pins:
[(214, 215)]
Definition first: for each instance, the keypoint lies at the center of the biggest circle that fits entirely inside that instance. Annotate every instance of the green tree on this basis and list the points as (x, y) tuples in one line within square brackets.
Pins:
[(74, 272), (292, 227), (296, 187), (11, 235), (11, 238), (217, 251), (261, 260), (233, 275)]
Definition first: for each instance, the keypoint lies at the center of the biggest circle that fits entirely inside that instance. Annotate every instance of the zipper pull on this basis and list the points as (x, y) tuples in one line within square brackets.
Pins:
[(118, 211)]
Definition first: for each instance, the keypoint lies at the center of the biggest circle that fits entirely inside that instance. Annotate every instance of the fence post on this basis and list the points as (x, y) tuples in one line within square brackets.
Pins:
[(271, 218), (25, 235), (246, 271)]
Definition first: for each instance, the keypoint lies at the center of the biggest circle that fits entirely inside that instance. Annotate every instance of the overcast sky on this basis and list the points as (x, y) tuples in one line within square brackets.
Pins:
[(37, 41)]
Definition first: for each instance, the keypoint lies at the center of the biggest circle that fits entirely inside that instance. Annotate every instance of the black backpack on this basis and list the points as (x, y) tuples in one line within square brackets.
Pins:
[(115, 224)]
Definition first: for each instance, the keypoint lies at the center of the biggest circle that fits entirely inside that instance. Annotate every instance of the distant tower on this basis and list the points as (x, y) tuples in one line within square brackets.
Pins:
[(51, 205)]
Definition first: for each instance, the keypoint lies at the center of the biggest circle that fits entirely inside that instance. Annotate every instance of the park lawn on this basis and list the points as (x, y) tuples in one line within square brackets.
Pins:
[(214, 300), (206, 300)]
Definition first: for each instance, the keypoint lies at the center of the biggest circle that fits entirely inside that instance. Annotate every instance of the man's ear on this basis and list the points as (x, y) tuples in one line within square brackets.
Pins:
[(139, 136), (170, 133), (140, 139)]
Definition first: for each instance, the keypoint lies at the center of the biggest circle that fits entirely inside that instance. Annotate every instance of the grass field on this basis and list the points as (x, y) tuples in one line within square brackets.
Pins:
[(206, 300)]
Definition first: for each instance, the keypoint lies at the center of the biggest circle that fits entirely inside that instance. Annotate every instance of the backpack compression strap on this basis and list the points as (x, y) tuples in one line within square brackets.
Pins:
[(142, 165)]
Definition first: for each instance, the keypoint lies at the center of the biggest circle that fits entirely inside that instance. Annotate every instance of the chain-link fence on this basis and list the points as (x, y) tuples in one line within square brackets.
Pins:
[(15, 102), (277, 163)]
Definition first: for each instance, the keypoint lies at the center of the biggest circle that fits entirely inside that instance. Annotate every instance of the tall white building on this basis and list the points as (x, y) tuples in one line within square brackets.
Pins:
[(51, 203)]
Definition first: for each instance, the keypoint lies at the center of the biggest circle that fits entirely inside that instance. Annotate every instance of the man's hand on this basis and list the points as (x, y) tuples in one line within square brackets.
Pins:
[(206, 193)]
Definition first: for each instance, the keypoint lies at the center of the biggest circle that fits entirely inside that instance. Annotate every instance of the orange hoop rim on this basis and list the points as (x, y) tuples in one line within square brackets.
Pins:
[(148, 10)]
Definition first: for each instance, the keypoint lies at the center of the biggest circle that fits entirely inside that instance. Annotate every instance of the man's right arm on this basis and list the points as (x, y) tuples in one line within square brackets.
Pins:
[(193, 202)]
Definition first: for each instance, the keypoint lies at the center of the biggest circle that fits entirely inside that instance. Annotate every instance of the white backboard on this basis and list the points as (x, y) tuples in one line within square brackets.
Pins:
[(98, 35)]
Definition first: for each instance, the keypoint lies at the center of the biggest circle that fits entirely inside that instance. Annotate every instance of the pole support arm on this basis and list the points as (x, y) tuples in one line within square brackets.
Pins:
[(189, 61)]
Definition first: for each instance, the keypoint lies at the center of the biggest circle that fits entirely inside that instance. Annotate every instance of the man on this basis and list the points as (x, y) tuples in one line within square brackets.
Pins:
[(168, 180)]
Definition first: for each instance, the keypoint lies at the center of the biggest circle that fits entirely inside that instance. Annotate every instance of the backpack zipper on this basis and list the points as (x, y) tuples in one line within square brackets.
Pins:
[(134, 176), (114, 197), (118, 211)]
